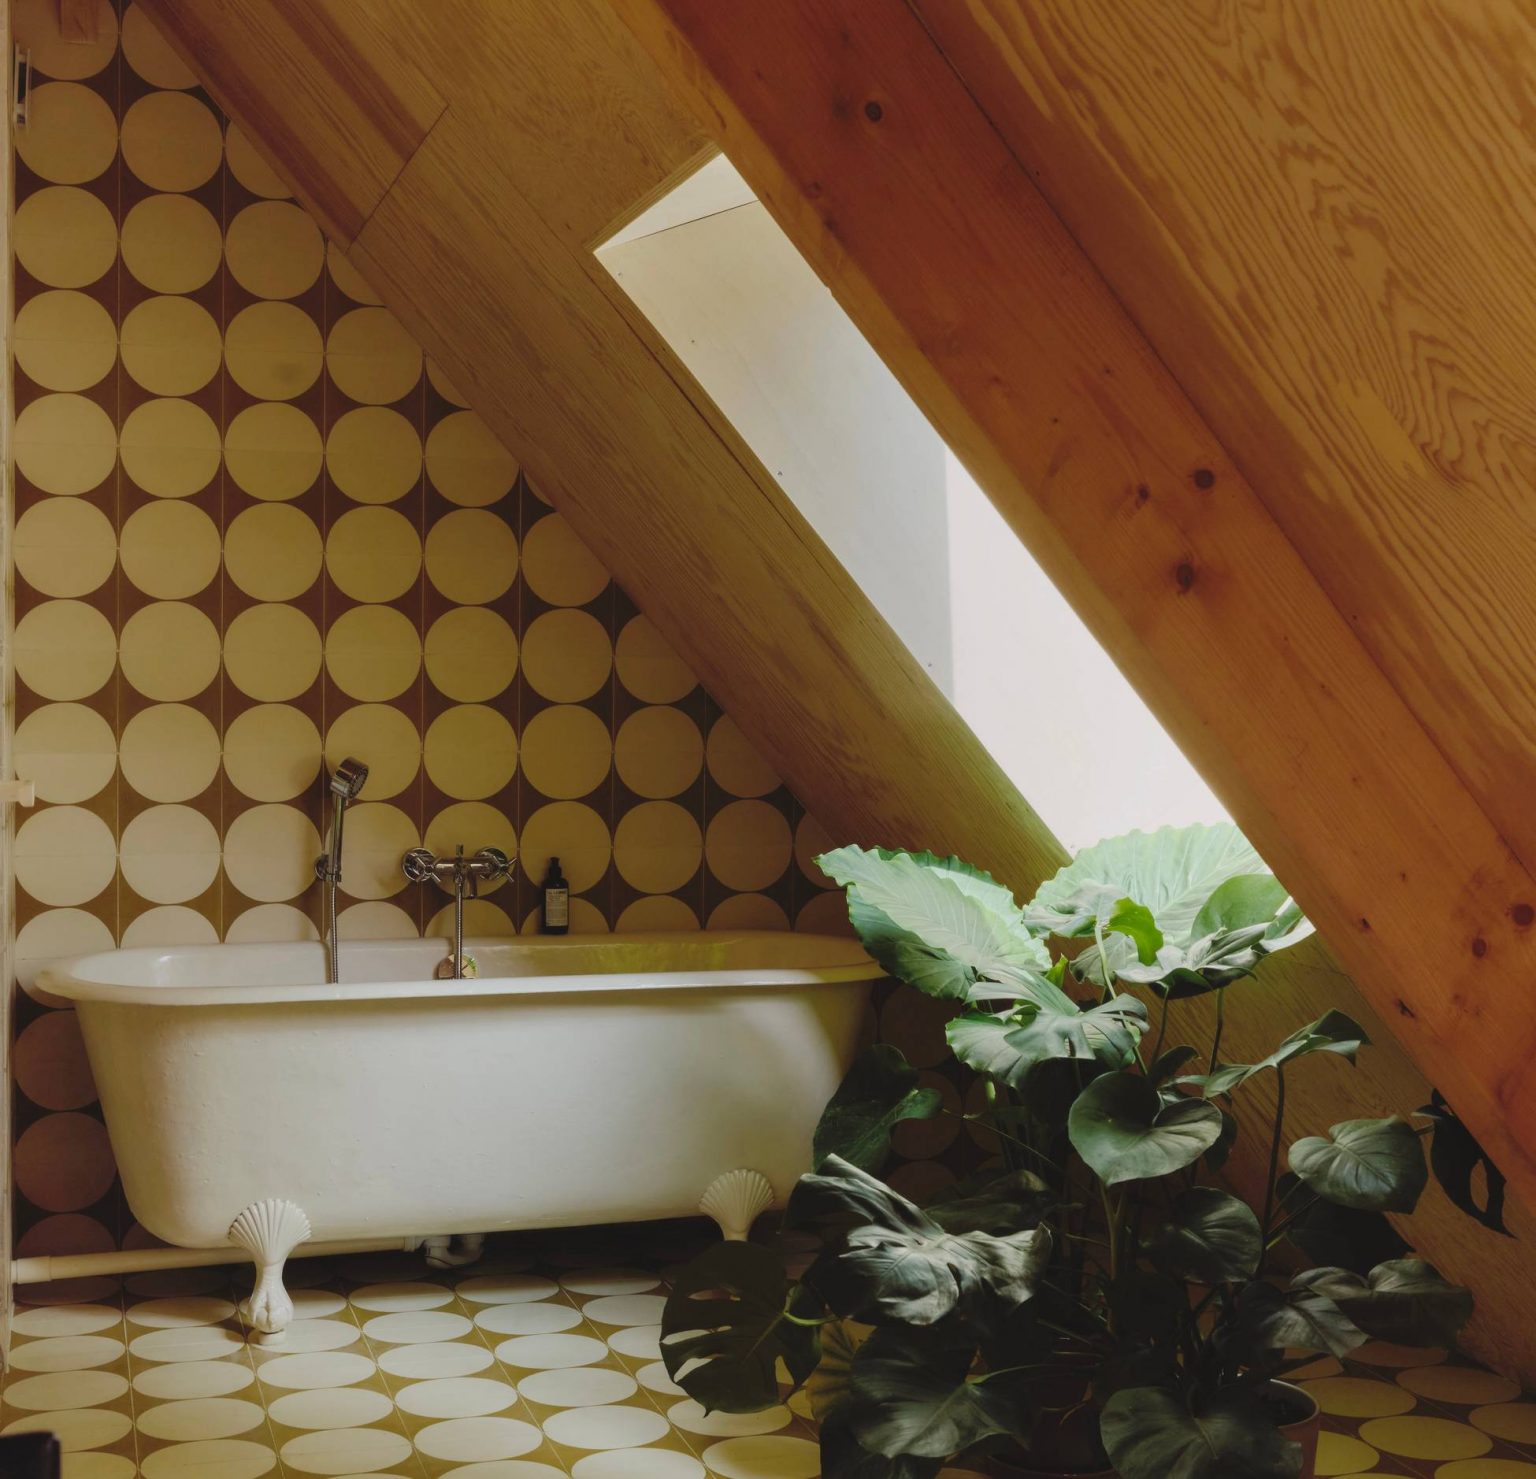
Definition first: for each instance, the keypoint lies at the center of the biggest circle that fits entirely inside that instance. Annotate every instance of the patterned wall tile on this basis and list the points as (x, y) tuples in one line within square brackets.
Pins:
[(256, 531)]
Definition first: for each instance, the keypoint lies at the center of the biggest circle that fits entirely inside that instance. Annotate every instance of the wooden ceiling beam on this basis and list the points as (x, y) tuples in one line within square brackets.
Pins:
[(1320, 213), (877, 161)]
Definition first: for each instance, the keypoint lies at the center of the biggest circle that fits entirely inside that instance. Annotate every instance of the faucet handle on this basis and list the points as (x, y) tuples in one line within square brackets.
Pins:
[(419, 865), (495, 863)]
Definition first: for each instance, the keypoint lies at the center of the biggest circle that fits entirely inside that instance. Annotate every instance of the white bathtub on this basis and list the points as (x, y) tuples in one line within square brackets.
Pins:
[(579, 1080)]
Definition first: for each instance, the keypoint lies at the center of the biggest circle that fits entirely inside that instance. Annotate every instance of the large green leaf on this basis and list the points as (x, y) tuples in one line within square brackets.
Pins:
[(724, 1330), (935, 924), (913, 1393), (1172, 872), (1271, 1320), (839, 1197), (899, 1264), (1012, 1202), (1371, 1165), (1333, 1032), (1181, 875), (1404, 1301), (1211, 1236), (879, 1091), (1122, 1129), (1153, 1434), (1007, 1047)]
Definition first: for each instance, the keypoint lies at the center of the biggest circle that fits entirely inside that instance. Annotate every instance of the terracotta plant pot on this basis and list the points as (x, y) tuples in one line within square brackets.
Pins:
[(1303, 1430)]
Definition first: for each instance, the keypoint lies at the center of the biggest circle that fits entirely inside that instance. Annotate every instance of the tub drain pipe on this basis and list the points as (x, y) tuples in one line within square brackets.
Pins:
[(145, 1260)]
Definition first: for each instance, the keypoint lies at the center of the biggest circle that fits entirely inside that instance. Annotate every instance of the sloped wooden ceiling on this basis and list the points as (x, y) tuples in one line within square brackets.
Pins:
[(470, 155), (1322, 588)]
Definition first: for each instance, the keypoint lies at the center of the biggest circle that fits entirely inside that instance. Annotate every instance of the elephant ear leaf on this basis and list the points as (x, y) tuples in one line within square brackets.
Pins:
[(1150, 1433), (914, 1394), (1370, 1165), (1006, 1048), (878, 1092), (936, 924), (724, 1330), (1403, 1301), (1455, 1157), (1123, 1130), (1211, 1236)]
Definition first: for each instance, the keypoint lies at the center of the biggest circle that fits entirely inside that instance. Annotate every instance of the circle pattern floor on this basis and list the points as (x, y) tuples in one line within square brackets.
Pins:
[(543, 1363)]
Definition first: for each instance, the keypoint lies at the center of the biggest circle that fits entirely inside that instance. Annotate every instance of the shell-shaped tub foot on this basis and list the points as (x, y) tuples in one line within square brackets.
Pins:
[(269, 1231), (734, 1200)]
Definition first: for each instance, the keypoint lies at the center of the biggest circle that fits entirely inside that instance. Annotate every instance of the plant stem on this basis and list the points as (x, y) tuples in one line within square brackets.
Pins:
[(1274, 1153), (803, 1320), (1109, 980), (1162, 1029), (1221, 1004)]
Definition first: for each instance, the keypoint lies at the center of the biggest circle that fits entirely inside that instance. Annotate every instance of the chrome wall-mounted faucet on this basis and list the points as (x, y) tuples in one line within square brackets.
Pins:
[(458, 875), (345, 782)]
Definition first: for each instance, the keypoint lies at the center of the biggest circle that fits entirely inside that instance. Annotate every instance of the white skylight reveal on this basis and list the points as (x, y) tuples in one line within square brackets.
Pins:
[(710, 268)]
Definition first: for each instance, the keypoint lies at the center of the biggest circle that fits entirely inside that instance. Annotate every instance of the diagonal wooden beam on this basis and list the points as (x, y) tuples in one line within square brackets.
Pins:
[(877, 161)]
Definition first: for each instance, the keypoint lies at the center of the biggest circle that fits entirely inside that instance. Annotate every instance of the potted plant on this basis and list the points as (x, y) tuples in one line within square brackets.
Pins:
[(1095, 1301)]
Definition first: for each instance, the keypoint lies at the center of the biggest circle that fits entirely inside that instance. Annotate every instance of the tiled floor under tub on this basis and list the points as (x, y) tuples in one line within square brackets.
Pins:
[(541, 1363)]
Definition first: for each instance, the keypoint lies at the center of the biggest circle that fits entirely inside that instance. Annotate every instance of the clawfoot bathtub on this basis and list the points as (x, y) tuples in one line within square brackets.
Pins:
[(578, 1080)]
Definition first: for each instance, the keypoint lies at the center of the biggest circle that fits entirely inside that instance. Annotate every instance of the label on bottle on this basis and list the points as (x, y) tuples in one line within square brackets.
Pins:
[(557, 908)]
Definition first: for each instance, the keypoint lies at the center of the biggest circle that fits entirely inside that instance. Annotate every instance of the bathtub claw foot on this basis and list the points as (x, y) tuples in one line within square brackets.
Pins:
[(443, 1251), (734, 1201), (269, 1231)]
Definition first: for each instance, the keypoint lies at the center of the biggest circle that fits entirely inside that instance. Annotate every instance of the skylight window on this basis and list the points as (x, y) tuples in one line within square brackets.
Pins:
[(744, 312)]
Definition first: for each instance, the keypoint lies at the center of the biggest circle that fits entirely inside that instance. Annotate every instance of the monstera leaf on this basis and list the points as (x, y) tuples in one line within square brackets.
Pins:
[(1333, 1032), (1006, 1047), (1405, 1301), (938, 924), (1271, 1320), (1150, 1433), (1370, 1165), (905, 1267), (1123, 1130), (1215, 904), (724, 1330), (840, 1197), (877, 1093), (914, 1394), (1211, 1236)]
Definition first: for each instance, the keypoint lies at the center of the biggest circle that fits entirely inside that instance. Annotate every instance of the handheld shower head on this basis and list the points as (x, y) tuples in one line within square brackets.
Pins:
[(348, 779)]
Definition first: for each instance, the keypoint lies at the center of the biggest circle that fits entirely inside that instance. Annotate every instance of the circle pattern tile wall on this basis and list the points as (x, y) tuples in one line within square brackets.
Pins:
[(255, 531)]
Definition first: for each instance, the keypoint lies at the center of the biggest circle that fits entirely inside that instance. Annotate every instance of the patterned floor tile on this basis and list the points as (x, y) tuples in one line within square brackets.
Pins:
[(543, 1362)]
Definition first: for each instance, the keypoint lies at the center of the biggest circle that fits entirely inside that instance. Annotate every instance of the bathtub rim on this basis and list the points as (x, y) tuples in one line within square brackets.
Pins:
[(61, 979)]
